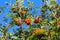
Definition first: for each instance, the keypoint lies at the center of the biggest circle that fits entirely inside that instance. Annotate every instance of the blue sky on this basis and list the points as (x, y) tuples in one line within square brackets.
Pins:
[(3, 15)]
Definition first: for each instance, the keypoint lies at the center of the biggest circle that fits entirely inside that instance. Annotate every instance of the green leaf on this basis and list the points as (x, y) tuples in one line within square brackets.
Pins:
[(8, 15)]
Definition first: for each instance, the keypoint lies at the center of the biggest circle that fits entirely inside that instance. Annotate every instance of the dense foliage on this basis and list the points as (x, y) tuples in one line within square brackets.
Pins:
[(46, 26)]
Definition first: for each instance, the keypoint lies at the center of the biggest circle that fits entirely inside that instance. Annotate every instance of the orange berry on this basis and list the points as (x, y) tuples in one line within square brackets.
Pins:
[(28, 21), (23, 12), (36, 20), (18, 7), (14, 10), (38, 31), (52, 32), (17, 21), (58, 22)]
